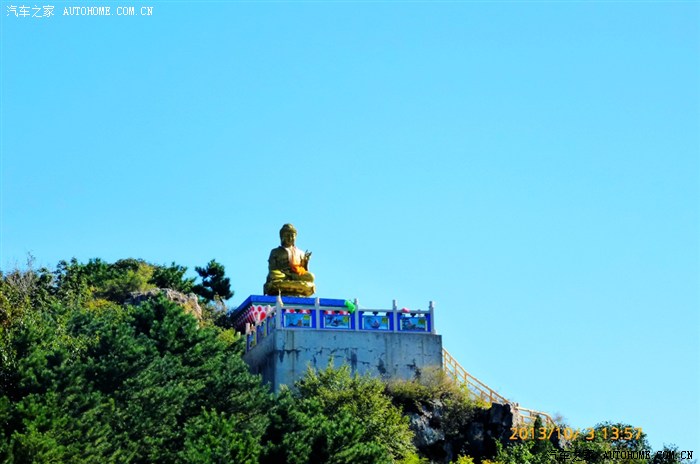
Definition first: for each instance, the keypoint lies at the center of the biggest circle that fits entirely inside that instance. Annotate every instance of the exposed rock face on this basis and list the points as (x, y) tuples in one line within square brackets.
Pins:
[(189, 301), (429, 434), (426, 426), (476, 436)]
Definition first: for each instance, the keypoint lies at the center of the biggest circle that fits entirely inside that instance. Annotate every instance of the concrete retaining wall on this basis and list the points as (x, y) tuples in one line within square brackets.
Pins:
[(283, 356)]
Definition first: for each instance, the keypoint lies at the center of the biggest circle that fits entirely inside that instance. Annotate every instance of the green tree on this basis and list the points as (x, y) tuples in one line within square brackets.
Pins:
[(125, 277), (98, 279), (173, 277), (122, 384), (219, 437), (333, 417), (527, 452), (215, 285), (75, 283), (79, 282)]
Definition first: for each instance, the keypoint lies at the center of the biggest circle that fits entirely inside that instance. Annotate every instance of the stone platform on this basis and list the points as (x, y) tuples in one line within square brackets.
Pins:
[(286, 335)]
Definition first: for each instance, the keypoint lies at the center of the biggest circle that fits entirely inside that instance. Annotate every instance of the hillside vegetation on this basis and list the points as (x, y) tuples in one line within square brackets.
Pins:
[(90, 375)]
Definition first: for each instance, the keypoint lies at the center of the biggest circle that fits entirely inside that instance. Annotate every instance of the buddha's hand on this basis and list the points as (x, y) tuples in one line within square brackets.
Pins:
[(277, 275), (305, 259)]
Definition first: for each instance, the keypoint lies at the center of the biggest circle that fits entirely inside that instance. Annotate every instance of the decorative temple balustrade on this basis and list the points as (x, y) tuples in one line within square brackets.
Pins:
[(259, 316)]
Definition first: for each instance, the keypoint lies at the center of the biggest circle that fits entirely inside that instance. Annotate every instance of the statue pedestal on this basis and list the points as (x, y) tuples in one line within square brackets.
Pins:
[(282, 340), (290, 287)]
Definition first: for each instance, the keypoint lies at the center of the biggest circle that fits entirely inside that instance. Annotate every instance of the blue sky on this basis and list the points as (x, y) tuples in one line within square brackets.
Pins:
[(532, 167)]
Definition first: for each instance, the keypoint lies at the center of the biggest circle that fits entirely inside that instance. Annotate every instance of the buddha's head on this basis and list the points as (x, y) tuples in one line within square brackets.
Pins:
[(288, 235)]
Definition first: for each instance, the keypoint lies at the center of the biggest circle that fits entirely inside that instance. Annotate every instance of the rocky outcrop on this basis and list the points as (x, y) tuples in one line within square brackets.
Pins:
[(189, 302), (442, 439)]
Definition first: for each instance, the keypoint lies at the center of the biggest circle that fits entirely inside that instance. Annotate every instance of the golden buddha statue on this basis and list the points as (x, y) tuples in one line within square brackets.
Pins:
[(289, 267)]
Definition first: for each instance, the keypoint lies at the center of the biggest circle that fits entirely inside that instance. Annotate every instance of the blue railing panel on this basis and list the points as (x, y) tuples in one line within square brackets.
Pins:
[(414, 322), (382, 321), (337, 320), (298, 318)]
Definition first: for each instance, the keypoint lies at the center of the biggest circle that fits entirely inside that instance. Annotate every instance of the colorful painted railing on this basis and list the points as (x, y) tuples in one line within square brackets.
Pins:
[(259, 316), (481, 391)]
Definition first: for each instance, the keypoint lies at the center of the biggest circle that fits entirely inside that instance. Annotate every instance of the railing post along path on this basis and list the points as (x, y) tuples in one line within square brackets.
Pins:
[(479, 389)]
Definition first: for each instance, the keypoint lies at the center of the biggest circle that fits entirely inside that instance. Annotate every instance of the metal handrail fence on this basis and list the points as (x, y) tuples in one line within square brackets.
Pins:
[(483, 392)]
